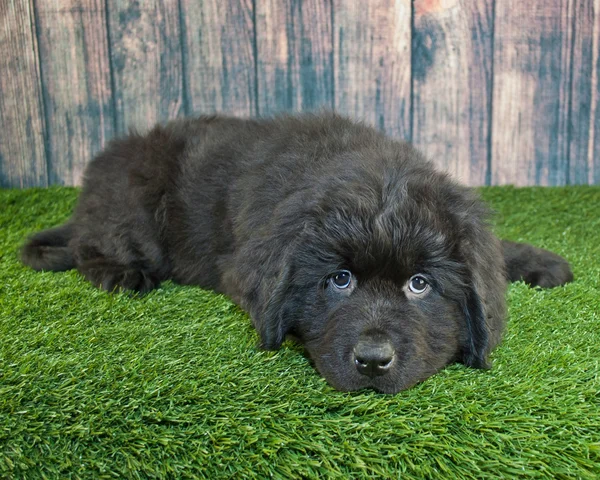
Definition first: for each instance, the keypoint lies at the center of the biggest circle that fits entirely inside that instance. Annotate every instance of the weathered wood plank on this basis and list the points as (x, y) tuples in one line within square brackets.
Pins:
[(146, 61), (532, 62), (76, 82), (372, 62), (294, 55), (219, 54), (594, 149), (584, 154), (452, 85), (22, 151)]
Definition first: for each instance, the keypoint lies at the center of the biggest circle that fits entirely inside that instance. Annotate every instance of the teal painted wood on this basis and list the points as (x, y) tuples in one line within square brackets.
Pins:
[(372, 63), (76, 84), (219, 54), (584, 142), (22, 151), (146, 62), (452, 85), (532, 67), (294, 55)]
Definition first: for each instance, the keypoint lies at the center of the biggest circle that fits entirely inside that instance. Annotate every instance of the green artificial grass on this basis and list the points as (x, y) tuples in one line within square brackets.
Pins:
[(173, 385)]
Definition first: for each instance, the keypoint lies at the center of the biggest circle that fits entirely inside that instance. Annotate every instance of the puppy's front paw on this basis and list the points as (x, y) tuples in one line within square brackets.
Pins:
[(535, 266)]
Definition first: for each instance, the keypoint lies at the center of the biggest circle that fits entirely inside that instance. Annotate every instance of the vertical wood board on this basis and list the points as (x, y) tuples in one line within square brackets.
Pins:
[(22, 150), (219, 54), (294, 55), (584, 155), (372, 63), (532, 62), (594, 148), (146, 61), (452, 80), (76, 82)]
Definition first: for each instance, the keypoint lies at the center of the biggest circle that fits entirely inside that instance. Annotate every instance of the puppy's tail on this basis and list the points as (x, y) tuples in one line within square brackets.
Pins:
[(49, 250)]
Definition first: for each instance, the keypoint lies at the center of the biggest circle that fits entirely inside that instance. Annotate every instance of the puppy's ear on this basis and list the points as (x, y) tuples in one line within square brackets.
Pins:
[(277, 317), (483, 302), (475, 351)]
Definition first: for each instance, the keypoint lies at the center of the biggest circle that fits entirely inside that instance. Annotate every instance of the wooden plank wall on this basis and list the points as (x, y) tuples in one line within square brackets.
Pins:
[(493, 91)]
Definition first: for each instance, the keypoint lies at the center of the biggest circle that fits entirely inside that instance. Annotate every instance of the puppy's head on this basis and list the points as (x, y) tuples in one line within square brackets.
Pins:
[(395, 276)]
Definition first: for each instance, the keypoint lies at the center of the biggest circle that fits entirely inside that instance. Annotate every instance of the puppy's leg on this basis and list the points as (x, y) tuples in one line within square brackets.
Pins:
[(535, 266), (121, 212)]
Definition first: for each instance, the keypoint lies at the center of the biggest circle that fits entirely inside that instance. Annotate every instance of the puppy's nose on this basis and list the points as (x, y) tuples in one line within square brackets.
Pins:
[(373, 355)]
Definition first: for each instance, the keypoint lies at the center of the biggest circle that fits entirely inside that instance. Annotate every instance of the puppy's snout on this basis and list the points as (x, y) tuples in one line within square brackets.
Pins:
[(373, 355)]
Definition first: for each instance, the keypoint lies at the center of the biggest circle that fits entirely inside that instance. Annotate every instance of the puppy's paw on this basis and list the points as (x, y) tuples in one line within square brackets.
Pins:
[(550, 271), (111, 277), (535, 266)]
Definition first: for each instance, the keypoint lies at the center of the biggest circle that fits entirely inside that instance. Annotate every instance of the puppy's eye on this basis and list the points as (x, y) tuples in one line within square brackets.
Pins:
[(417, 284), (341, 279)]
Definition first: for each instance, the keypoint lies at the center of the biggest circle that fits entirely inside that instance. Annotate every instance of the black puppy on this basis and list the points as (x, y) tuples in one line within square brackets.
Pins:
[(321, 228)]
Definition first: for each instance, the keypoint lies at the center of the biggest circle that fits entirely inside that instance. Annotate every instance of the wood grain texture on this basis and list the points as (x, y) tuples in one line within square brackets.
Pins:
[(452, 85), (532, 62), (22, 151), (219, 56), (146, 61), (494, 91), (76, 82), (372, 63), (584, 153), (594, 142), (294, 55)]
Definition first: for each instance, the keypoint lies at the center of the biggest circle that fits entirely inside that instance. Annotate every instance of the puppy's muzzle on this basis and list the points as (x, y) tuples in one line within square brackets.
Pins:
[(373, 355)]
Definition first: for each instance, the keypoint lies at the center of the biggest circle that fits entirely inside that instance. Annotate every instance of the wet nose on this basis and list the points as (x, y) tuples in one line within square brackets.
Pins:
[(373, 355)]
